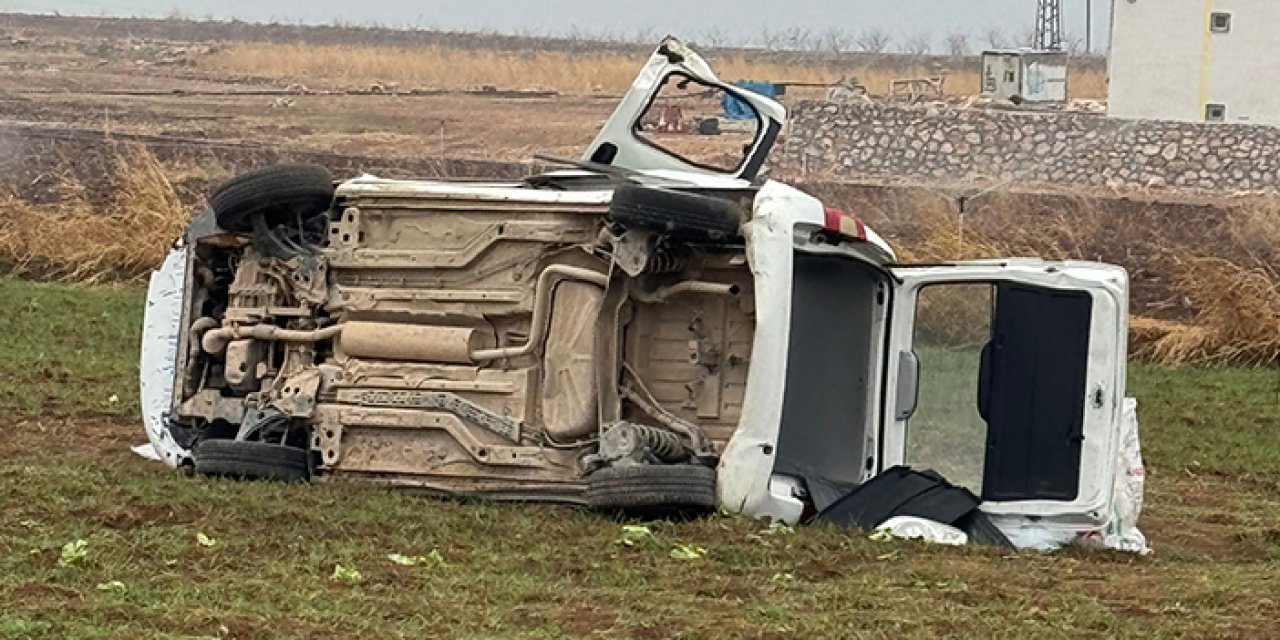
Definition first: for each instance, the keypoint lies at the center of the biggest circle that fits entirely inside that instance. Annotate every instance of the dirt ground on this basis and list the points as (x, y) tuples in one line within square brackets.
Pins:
[(81, 83), (154, 78), (399, 127)]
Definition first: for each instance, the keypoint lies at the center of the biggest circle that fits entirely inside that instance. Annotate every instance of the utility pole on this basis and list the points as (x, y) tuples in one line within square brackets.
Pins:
[(1088, 27), (1049, 25)]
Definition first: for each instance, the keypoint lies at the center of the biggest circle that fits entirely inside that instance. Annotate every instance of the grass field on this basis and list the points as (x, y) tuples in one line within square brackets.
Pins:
[(170, 556)]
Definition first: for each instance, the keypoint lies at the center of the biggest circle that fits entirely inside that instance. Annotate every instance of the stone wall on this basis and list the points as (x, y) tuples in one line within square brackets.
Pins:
[(953, 145)]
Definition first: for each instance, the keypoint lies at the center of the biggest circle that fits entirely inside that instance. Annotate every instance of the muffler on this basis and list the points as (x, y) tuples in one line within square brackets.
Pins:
[(413, 342)]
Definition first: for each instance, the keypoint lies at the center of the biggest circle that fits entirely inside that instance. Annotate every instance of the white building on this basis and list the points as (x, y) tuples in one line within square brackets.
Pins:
[(1196, 60)]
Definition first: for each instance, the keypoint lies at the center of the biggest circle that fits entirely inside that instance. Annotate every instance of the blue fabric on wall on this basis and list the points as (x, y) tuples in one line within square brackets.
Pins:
[(735, 109)]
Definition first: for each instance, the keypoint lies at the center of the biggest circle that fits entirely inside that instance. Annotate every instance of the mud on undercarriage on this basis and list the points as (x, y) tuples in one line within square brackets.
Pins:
[(592, 352)]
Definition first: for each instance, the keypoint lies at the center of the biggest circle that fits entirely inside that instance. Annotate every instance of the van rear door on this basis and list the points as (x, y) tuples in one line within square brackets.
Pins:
[(1007, 377)]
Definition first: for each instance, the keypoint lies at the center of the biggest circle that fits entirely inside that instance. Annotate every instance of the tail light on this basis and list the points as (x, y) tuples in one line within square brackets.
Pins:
[(845, 225)]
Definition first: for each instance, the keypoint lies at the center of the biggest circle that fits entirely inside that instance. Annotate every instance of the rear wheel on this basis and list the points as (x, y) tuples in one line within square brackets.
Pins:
[(252, 460), (653, 491), (687, 216), (283, 194)]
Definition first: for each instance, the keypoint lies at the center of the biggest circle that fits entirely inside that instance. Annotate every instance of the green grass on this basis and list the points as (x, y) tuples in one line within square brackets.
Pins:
[(1213, 516), (67, 350), (946, 433)]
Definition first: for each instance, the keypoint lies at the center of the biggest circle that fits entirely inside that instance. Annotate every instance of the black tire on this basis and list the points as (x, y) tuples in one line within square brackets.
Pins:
[(686, 216), (279, 193), (252, 460), (653, 491)]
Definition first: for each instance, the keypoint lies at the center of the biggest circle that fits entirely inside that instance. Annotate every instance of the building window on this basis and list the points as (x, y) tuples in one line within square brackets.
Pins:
[(1215, 113), (1220, 23)]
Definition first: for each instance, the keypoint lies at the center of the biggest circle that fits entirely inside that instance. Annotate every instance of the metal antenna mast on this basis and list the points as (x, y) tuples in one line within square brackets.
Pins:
[(1049, 25)]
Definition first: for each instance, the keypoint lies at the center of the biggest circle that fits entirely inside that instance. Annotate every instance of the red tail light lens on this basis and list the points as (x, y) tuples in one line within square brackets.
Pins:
[(845, 225)]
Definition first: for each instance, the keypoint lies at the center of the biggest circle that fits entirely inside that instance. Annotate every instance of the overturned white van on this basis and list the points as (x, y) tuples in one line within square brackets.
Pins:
[(653, 329)]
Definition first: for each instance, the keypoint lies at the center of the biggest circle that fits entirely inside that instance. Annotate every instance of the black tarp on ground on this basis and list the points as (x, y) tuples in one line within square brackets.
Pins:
[(902, 491)]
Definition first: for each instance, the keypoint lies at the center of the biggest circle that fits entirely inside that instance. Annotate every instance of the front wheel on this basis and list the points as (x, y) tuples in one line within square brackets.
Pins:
[(249, 460), (653, 490)]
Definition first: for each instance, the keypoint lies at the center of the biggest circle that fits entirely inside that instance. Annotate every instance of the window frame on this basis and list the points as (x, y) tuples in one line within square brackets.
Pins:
[(921, 388)]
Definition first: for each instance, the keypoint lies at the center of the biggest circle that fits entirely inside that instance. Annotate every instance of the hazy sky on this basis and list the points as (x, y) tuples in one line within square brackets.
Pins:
[(739, 20)]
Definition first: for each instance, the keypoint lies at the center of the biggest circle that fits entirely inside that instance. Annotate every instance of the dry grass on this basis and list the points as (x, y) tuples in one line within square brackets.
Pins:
[(1205, 288), (447, 68), (1087, 85), (74, 240), (1234, 288), (1237, 319), (444, 68)]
